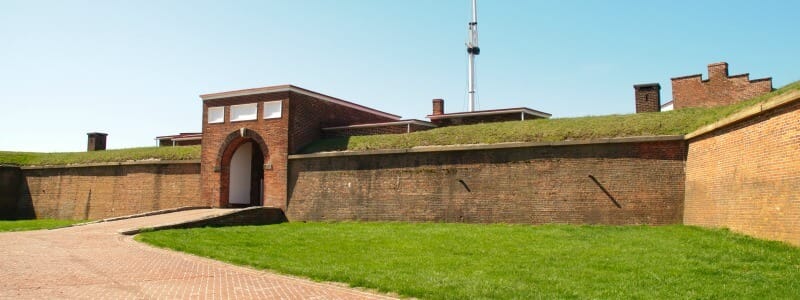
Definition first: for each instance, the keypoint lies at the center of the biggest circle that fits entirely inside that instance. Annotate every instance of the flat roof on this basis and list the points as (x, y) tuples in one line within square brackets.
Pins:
[(646, 85), (299, 90), (183, 136), (524, 110)]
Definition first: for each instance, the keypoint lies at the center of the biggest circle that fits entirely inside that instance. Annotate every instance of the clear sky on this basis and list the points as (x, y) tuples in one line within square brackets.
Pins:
[(135, 69)]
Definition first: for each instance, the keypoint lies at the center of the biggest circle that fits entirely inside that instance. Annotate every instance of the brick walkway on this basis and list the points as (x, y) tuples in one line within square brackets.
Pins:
[(94, 262)]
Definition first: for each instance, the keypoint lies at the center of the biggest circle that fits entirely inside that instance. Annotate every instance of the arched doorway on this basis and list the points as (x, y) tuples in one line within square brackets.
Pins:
[(240, 161), (245, 176)]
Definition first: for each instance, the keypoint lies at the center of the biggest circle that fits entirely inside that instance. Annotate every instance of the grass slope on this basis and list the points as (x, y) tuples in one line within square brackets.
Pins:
[(118, 155), (676, 122), (468, 261), (22, 225)]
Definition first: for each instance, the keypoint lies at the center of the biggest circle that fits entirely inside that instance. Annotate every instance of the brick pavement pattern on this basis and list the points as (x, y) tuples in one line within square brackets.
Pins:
[(95, 262)]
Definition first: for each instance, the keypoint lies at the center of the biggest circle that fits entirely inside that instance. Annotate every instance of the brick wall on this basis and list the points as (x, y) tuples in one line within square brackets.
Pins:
[(746, 176), (719, 89), (535, 185), (98, 192)]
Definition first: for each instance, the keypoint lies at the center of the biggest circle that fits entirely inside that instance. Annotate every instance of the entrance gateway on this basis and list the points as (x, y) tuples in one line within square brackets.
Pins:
[(249, 134)]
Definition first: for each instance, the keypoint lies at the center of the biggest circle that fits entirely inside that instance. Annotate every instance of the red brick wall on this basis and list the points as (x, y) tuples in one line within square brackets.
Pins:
[(310, 115), (719, 89), (535, 185), (107, 191), (746, 176)]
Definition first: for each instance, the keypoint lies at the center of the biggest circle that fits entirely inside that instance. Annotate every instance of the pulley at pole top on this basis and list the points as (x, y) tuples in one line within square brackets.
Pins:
[(472, 44), (473, 50)]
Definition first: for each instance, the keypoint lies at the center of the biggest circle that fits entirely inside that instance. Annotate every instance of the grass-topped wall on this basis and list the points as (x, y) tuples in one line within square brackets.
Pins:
[(118, 155), (678, 122)]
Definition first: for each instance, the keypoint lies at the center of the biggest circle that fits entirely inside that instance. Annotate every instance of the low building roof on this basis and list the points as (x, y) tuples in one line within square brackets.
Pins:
[(524, 110), (382, 124), (183, 136), (299, 90)]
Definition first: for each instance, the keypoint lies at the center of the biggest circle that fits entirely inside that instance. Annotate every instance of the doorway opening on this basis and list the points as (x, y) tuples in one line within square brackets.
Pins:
[(245, 186)]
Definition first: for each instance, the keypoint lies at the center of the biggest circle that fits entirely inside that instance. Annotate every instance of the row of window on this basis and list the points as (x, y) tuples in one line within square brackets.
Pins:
[(245, 112)]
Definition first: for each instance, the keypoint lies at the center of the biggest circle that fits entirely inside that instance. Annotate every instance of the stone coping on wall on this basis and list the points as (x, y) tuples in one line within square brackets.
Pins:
[(446, 148), (747, 113), (114, 164)]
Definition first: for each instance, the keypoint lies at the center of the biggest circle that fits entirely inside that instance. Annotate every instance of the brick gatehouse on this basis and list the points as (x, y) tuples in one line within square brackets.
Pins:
[(248, 135)]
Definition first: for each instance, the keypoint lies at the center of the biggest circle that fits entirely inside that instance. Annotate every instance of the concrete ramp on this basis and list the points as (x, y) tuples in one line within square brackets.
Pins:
[(216, 218)]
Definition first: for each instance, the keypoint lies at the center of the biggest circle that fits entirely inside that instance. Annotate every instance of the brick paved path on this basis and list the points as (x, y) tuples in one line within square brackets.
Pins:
[(94, 262)]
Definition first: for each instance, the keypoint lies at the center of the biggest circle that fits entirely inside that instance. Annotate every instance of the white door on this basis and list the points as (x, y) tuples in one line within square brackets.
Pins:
[(241, 166)]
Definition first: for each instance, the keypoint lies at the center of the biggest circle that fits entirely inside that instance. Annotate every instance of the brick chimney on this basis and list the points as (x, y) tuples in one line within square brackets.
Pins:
[(648, 97), (438, 107), (97, 141), (718, 70)]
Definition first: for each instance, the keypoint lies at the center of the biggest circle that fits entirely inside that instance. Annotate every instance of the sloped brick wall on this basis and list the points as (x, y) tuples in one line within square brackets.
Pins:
[(600, 183), (746, 176), (96, 192)]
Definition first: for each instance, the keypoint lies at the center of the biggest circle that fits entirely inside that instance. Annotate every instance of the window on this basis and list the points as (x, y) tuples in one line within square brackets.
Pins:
[(216, 114), (243, 112), (272, 110)]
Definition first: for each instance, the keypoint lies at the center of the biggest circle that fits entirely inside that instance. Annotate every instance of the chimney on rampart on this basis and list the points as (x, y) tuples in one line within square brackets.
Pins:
[(438, 107), (648, 97), (97, 141)]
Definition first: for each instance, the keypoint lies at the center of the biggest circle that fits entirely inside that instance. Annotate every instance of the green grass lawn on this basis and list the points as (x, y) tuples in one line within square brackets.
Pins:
[(677, 122), (117, 155), (21, 225), (468, 261)]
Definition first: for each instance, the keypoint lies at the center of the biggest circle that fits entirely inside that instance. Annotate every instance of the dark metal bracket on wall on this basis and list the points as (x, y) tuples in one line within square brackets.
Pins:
[(610, 197), (465, 185)]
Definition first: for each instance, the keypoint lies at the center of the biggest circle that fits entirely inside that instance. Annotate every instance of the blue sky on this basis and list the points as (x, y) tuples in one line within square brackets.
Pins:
[(135, 69)]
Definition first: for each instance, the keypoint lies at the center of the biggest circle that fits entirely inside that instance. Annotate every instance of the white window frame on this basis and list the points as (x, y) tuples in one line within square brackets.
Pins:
[(244, 112), (216, 114), (273, 109)]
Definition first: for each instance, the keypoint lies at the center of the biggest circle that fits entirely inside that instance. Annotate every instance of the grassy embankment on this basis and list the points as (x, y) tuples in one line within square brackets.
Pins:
[(677, 122), (118, 155), (463, 261), (21, 225)]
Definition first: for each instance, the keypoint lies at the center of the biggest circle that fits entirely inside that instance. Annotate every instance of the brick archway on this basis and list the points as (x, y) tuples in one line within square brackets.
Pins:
[(225, 154)]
